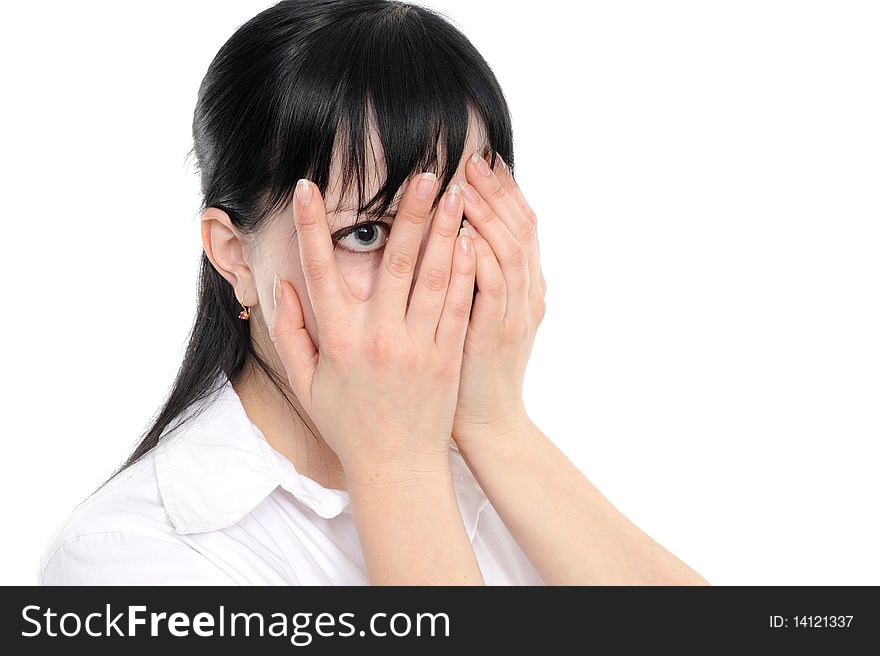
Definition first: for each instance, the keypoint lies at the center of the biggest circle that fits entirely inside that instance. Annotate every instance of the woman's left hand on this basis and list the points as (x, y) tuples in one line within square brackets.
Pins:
[(508, 307)]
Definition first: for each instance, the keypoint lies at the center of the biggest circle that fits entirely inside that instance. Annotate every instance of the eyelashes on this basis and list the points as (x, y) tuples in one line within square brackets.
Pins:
[(363, 238)]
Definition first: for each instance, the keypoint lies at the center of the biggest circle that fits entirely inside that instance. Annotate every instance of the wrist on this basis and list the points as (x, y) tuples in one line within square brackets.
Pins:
[(395, 470), (504, 429)]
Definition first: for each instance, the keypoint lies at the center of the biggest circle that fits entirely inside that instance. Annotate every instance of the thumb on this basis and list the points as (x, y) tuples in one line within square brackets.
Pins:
[(292, 341)]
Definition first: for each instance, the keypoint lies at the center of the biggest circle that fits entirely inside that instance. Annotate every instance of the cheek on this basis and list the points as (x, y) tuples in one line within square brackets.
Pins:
[(359, 272)]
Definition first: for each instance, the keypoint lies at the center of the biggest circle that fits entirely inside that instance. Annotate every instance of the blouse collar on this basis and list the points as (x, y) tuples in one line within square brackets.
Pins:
[(220, 466)]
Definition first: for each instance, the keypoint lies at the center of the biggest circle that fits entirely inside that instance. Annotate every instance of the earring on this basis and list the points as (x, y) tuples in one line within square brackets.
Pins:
[(244, 314)]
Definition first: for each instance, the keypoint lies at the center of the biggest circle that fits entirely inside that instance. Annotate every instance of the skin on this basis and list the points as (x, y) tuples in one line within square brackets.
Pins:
[(250, 265), (402, 349)]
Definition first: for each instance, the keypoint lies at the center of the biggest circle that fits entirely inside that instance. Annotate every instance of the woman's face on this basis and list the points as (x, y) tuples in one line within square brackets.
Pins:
[(358, 253)]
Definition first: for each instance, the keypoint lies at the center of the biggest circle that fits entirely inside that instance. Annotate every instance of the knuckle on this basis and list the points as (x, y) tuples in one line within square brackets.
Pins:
[(447, 372), (518, 257), (445, 229), (495, 287), (434, 280), (399, 264), (408, 215), (315, 270), (530, 232), (459, 309), (497, 191), (306, 218), (379, 347), (485, 216), (540, 309)]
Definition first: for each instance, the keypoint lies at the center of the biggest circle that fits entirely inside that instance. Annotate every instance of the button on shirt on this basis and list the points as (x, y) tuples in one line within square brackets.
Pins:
[(215, 504)]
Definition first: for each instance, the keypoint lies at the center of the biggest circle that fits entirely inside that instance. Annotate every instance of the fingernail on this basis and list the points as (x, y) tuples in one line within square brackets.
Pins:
[(464, 240), (277, 292), (468, 192), (452, 198), (482, 165), (425, 185), (470, 228), (502, 162), (303, 191)]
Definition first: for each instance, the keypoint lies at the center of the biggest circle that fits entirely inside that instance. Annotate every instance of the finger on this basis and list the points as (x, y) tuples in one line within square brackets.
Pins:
[(288, 332), (490, 302), (503, 195), (493, 190), (426, 304), (454, 320), (327, 288), (512, 256), (502, 170), (395, 276)]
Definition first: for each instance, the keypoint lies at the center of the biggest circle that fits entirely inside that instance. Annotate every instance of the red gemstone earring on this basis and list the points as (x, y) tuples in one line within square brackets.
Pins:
[(244, 314)]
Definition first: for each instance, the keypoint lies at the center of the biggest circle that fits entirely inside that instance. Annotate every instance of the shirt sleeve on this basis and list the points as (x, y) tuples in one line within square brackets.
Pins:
[(129, 558)]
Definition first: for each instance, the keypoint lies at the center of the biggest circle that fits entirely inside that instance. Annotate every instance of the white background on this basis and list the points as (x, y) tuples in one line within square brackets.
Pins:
[(706, 180)]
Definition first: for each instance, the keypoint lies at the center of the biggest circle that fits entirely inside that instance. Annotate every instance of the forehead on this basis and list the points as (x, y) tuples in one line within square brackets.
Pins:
[(340, 210)]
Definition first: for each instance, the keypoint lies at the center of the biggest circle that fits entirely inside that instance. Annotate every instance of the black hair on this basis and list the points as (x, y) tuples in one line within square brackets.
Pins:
[(297, 82)]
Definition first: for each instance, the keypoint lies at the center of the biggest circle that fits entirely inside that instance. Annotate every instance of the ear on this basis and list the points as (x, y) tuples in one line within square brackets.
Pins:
[(224, 247)]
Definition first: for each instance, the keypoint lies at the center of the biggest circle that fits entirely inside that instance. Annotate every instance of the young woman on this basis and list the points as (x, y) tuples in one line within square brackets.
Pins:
[(349, 408)]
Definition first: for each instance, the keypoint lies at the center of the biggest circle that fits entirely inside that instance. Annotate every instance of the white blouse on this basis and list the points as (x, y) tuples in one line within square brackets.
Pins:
[(217, 505)]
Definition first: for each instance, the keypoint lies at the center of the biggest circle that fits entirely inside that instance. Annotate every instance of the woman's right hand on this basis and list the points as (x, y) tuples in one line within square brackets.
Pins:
[(382, 386)]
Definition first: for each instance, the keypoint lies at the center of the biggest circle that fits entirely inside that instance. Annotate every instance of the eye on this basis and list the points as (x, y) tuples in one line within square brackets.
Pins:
[(364, 237)]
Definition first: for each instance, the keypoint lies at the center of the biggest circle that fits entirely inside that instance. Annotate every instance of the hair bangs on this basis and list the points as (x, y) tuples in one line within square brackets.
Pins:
[(383, 107)]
